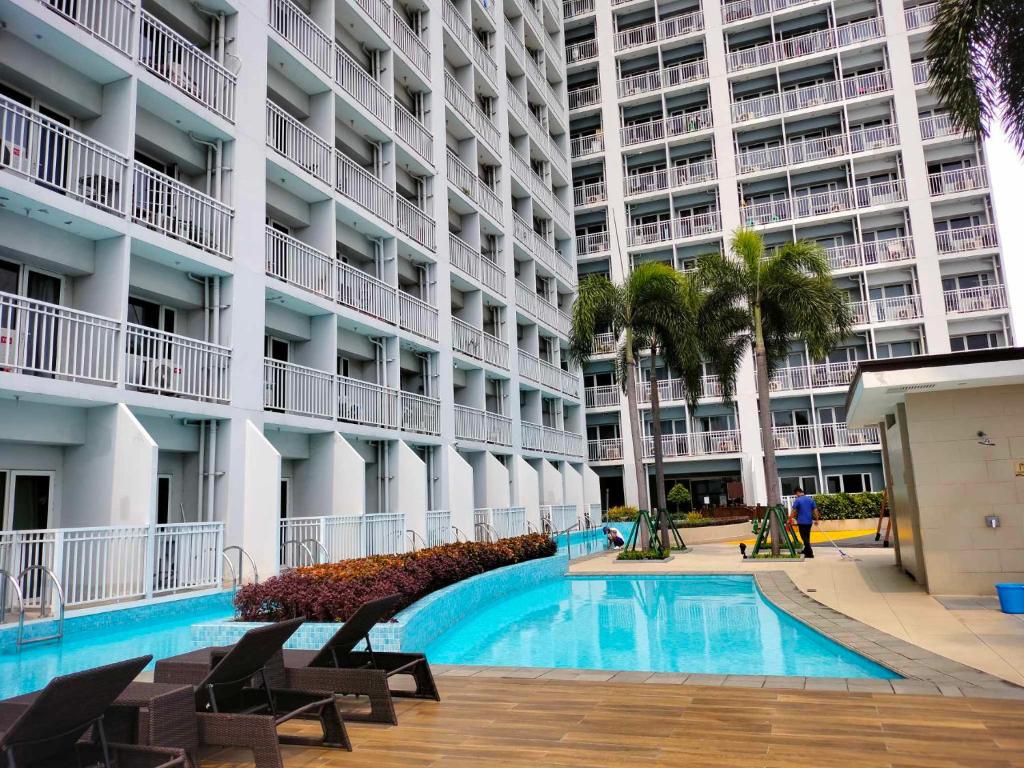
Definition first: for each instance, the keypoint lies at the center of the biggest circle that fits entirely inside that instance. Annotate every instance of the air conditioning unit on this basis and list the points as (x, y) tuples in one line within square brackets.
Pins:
[(774, 386), (815, 102), (9, 344), (16, 157), (162, 374)]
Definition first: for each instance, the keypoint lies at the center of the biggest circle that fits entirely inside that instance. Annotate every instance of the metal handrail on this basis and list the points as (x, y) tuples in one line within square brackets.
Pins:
[(530, 527), (413, 535), (587, 521), (239, 573), (302, 544), (327, 555), (6, 576), (568, 538), (234, 575), (60, 616), (489, 529), (459, 532)]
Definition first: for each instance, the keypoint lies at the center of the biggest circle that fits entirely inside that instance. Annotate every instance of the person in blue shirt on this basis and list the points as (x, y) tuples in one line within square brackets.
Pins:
[(805, 512)]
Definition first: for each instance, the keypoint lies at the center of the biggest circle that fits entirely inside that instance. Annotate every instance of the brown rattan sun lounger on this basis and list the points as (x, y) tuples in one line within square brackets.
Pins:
[(63, 724), (240, 704)]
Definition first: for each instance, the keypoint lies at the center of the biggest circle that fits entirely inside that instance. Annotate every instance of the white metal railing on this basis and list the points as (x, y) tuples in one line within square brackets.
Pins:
[(181, 212), (697, 225), (421, 413), (739, 10), (964, 239), (298, 264), (564, 516), (892, 309), (674, 390), (378, 10), (871, 253), (39, 337), (676, 125), (826, 435), (295, 26), (476, 265), (532, 368), (602, 396), (473, 186), (569, 382), (921, 15), (365, 402), (666, 29), (415, 223), (937, 126), (363, 188), (665, 178), (171, 57), (811, 96), (587, 144), (589, 194), (811, 150), (695, 443), (479, 344), (587, 96), (366, 293), (109, 20), (410, 44), (542, 309), (471, 424), (584, 50), (592, 242), (169, 363), (959, 180), (978, 299), (605, 343), (298, 389), (417, 316), (384, 533), (921, 71), (439, 527), (805, 44), (670, 76), (573, 8), (414, 133), (609, 449), (298, 143), (187, 556), (361, 86), (820, 376), (58, 157), (341, 537)]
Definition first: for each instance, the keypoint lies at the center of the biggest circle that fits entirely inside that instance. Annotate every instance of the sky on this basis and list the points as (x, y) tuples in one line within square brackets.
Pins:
[(1006, 171)]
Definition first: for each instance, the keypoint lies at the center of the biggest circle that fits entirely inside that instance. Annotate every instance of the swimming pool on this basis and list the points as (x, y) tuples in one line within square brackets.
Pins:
[(696, 624)]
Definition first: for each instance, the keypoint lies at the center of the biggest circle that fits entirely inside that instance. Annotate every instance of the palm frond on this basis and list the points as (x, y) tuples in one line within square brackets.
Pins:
[(597, 306)]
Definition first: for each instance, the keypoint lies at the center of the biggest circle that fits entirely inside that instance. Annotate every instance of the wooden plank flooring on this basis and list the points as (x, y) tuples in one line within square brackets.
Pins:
[(510, 723)]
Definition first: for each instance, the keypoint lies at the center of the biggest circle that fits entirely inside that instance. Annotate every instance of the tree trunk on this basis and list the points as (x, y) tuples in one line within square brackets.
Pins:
[(764, 415), (659, 458), (634, 434)]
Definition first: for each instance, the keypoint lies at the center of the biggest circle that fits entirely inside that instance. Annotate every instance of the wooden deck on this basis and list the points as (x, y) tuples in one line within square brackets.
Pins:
[(510, 723)]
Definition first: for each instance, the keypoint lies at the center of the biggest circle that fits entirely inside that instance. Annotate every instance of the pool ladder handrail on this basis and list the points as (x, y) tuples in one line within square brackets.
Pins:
[(568, 537), (489, 530), (530, 528), (284, 551), (459, 532), (320, 546), (413, 536), (5, 577), (236, 576)]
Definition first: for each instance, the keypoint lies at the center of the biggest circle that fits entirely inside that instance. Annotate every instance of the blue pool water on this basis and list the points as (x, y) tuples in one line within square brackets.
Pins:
[(697, 624)]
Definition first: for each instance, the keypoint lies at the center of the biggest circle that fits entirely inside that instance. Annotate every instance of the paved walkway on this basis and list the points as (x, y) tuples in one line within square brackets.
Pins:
[(870, 589)]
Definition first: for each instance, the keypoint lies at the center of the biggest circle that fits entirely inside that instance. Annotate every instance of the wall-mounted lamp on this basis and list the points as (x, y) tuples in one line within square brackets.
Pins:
[(984, 439)]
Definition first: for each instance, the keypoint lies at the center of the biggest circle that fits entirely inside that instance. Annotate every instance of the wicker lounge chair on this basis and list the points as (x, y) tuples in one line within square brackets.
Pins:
[(238, 703), (62, 725)]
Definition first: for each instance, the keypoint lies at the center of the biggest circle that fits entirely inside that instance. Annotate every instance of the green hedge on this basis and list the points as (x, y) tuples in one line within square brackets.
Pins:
[(622, 514), (848, 506)]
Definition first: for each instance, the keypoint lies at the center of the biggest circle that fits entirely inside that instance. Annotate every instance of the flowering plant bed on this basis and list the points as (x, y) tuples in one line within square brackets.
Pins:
[(333, 592)]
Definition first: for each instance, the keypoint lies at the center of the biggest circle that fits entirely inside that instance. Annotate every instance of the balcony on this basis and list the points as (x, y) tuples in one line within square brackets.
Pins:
[(358, 185), (475, 265), (696, 225), (584, 146), (417, 316), (584, 50), (811, 96), (659, 31), (175, 60), (298, 143), (461, 30), (592, 243), (920, 16), (110, 22), (298, 264), (537, 437), (414, 133), (871, 254), (824, 203), (171, 364), (588, 96), (820, 376), (671, 76), (921, 72), (817, 149), (590, 194), (479, 345), (482, 426), (809, 44), (741, 10), (573, 8), (961, 180), (409, 44), (604, 396), (543, 251), (983, 237), (605, 344), (657, 130), (674, 390), (304, 391), (833, 435), (420, 414), (366, 293), (415, 224), (466, 107), (472, 186), (678, 176), (939, 126), (379, 12), (983, 298), (891, 310), (361, 86), (55, 156), (695, 444), (541, 309), (532, 368), (520, 109), (292, 23), (181, 212), (542, 193), (609, 449)]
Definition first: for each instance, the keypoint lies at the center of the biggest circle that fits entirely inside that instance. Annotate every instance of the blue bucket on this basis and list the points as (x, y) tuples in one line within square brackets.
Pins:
[(1011, 597)]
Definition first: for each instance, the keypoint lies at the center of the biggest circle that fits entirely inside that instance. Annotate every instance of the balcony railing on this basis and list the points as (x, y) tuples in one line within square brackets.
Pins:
[(820, 376), (695, 444), (605, 343), (961, 180), (181, 212), (108, 20), (939, 126), (168, 363), (871, 254), (805, 45), (482, 426), (666, 178), (466, 107), (816, 149), (584, 50), (171, 57), (479, 344), (609, 449), (537, 437), (379, 12), (670, 76), (57, 157), (414, 133), (361, 86), (298, 389), (697, 225), (574, 8), (825, 203), (298, 143), (473, 186), (921, 71), (363, 188), (344, 537), (811, 96), (420, 414), (674, 390), (293, 261), (966, 239), (593, 242), (532, 368), (292, 23), (439, 527), (415, 223), (586, 96), (590, 194), (982, 298), (677, 125), (589, 144), (541, 309), (893, 309), (603, 396), (740, 10), (659, 31), (417, 316), (464, 258), (830, 435), (537, 245), (921, 16), (362, 291), (409, 43), (49, 339)]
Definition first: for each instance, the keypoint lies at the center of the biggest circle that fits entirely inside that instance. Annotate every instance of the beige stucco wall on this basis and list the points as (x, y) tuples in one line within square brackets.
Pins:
[(956, 482)]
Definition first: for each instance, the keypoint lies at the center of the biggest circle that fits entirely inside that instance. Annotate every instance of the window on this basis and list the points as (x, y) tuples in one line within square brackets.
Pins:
[(972, 341), (852, 483), (886, 350), (809, 484)]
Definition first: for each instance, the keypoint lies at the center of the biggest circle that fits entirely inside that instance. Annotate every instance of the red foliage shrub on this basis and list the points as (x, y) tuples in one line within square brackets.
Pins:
[(333, 592)]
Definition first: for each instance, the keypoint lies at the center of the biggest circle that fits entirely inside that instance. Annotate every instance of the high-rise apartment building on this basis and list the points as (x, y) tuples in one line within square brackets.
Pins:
[(802, 119), (282, 264)]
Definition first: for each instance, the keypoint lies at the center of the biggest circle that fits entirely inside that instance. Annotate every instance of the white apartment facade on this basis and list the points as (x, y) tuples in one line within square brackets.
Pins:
[(803, 119), (284, 275)]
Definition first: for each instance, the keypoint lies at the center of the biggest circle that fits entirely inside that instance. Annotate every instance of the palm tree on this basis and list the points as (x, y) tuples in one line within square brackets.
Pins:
[(976, 65), (655, 310), (776, 298)]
